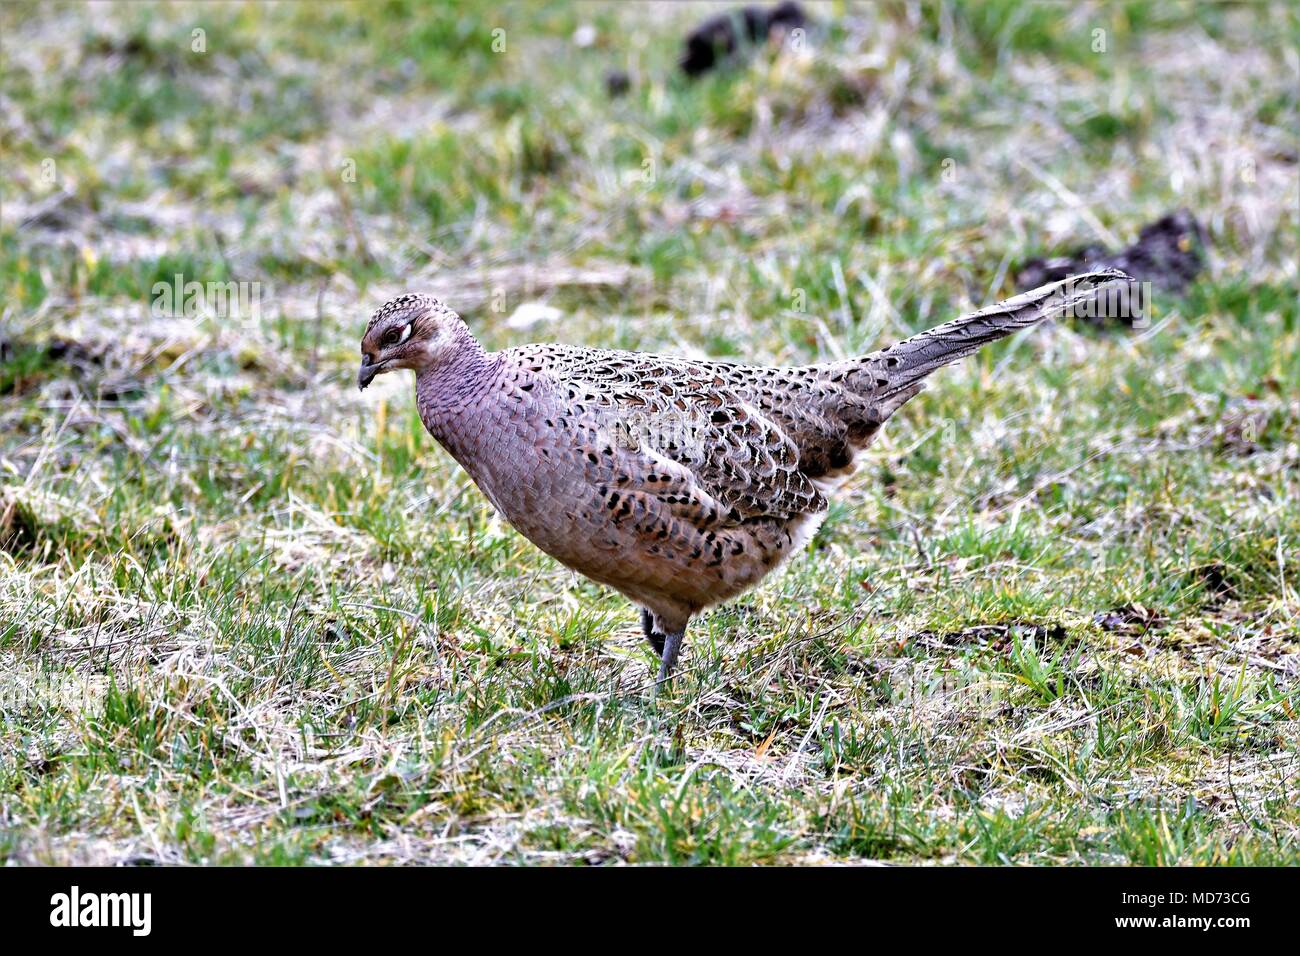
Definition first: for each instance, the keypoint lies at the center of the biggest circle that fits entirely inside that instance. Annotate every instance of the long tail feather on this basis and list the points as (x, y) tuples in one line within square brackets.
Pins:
[(905, 363)]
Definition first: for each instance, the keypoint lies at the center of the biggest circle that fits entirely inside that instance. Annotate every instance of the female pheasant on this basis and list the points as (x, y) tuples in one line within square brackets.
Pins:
[(679, 483)]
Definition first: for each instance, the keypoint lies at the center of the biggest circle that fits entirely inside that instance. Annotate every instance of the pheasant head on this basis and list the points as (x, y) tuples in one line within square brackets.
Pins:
[(412, 331)]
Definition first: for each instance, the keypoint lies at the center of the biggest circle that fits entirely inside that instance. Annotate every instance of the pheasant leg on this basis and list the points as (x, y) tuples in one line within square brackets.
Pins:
[(655, 637), (672, 646)]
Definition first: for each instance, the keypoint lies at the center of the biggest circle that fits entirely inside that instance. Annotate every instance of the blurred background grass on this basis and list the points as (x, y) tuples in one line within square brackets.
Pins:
[(246, 614)]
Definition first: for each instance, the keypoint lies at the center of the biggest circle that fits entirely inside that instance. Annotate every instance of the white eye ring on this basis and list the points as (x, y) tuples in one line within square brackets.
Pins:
[(406, 333)]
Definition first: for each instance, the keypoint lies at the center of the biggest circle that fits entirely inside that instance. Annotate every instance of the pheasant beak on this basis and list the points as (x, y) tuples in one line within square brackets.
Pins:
[(366, 374)]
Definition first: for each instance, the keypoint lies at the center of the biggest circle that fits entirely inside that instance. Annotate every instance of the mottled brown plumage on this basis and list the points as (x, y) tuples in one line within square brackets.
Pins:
[(680, 483)]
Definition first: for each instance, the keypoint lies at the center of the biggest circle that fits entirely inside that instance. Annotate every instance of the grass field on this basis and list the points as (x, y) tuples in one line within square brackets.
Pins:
[(250, 615)]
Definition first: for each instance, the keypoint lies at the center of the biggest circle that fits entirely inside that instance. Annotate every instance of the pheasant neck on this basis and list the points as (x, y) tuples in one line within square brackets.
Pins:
[(451, 393)]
